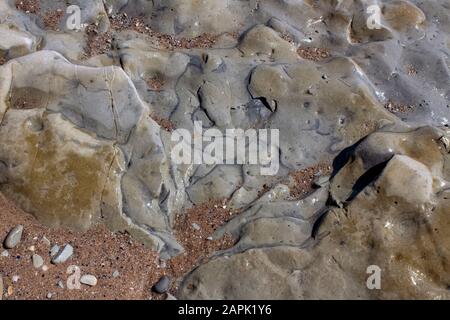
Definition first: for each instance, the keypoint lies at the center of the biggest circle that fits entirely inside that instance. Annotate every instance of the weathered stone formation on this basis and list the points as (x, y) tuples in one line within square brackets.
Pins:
[(390, 209), (86, 119)]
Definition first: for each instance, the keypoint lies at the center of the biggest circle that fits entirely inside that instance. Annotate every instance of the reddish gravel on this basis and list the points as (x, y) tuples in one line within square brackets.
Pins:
[(303, 180), (313, 54), (52, 19), (29, 6)]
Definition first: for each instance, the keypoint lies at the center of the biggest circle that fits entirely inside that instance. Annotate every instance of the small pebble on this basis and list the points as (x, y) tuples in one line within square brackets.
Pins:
[(14, 237), (89, 280), (46, 241), (37, 261), (44, 268), (15, 279), (195, 226), (49, 295), (32, 248), (116, 274), (54, 250), (162, 285), (64, 255), (5, 253), (60, 284)]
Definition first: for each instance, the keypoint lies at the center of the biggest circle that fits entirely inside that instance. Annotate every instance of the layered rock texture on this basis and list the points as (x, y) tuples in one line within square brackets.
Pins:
[(86, 118)]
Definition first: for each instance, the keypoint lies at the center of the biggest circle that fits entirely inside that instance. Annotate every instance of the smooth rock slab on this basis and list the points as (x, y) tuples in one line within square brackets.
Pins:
[(14, 237)]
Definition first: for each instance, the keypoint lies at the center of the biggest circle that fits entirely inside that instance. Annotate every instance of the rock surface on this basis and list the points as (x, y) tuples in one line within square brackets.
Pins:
[(86, 119), (394, 216)]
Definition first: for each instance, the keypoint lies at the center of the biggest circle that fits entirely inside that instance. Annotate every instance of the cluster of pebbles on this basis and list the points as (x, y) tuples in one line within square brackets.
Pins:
[(56, 255)]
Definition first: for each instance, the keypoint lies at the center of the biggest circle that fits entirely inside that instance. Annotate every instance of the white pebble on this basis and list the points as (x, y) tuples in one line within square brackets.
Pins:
[(89, 280), (37, 261)]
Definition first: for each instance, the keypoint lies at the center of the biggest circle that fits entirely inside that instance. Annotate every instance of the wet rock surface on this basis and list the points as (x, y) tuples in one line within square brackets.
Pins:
[(393, 213), (85, 137)]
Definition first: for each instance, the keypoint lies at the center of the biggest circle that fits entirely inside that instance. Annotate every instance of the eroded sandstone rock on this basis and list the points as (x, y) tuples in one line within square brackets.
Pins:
[(397, 220), (86, 119)]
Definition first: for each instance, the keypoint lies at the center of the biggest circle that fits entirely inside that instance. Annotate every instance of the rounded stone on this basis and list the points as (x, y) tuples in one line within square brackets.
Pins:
[(89, 280), (37, 261), (14, 237), (162, 285)]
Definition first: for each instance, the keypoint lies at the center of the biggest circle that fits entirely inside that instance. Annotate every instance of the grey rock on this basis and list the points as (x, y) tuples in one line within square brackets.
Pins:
[(5, 253), (14, 236), (64, 255), (162, 285), (116, 274), (38, 261), (89, 280)]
